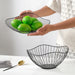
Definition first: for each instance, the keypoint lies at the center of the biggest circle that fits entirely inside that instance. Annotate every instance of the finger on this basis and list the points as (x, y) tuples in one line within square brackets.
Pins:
[(34, 34), (19, 17), (24, 12), (40, 29), (44, 25), (28, 11)]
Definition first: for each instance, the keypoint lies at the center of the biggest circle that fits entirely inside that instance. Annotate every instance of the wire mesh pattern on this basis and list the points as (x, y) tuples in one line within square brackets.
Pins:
[(8, 22), (47, 56)]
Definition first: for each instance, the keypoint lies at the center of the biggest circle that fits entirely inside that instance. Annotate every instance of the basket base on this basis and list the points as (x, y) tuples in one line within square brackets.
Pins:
[(48, 66)]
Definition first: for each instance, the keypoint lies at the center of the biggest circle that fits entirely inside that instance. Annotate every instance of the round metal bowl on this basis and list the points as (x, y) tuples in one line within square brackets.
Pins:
[(43, 20)]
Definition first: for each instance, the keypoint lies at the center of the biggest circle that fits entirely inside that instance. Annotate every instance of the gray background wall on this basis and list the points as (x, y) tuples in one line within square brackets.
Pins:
[(13, 43)]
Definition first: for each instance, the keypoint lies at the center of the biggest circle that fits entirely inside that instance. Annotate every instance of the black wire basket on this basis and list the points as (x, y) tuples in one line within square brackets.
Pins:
[(47, 56), (43, 20)]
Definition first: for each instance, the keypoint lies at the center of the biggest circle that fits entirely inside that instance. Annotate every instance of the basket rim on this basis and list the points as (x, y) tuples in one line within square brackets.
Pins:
[(48, 45), (48, 52)]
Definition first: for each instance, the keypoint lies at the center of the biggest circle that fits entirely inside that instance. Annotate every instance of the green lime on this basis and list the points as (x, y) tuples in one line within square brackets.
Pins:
[(24, 28), (36, 25), (27, 20), (34, 19), (15, 23)]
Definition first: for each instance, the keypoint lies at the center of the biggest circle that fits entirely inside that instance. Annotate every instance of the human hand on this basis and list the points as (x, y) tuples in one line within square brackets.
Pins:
[(42, 31), (26, 13)]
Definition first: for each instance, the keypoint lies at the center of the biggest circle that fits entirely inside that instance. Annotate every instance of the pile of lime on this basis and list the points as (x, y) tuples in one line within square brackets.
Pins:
[(28, 24)]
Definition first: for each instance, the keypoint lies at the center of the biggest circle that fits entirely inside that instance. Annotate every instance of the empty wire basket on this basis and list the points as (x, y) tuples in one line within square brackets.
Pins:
[(47, 56)]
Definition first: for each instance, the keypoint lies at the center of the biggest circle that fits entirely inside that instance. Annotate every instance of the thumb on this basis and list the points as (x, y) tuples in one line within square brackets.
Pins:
[(40, 29)]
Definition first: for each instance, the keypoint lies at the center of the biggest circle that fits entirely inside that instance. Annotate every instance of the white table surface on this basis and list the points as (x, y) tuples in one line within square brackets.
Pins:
[(66, 68)]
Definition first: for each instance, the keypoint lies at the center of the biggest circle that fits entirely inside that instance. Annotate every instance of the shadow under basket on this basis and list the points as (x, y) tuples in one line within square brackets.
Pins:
[(47, 56)]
